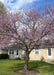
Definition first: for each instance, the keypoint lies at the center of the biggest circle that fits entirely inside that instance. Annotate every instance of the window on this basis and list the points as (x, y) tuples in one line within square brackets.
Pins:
[(49, 53), (11, 52), (17, 52), (37, 51)]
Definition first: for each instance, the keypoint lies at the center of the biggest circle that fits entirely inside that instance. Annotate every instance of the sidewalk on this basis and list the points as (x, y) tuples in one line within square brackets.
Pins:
[(52, 62)]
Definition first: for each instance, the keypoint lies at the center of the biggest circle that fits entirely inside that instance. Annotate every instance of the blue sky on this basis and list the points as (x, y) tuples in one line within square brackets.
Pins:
[(24, 4)]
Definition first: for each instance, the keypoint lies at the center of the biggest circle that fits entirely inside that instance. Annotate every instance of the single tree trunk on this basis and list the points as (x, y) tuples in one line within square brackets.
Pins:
[(26, 61)]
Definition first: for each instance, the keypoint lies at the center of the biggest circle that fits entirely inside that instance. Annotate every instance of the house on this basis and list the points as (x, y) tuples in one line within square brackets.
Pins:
[(13, 52), (44, 52)]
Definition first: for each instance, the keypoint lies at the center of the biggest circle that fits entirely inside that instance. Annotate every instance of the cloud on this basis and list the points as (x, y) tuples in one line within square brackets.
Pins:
[(2, 1), (17, 4)]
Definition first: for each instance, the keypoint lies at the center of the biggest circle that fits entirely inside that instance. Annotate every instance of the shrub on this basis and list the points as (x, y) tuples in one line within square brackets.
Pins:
[(42, 58), (18, 58), (4, 56), (23, 57)]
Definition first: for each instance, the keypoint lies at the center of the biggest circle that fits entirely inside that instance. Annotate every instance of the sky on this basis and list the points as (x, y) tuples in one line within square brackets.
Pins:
[(24, 4)]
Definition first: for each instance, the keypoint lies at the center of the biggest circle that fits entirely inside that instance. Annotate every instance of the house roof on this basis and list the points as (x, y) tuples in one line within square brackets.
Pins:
[(46, 44), (16, 46)]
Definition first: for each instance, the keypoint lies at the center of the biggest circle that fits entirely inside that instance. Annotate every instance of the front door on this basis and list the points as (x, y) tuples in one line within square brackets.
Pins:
[(16, 53)]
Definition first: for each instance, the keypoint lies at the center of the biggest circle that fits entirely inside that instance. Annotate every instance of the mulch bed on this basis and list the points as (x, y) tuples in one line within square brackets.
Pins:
[(31, 71)]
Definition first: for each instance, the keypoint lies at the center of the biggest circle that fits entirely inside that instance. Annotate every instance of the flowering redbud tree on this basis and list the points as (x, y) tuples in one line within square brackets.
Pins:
[(26, 29)]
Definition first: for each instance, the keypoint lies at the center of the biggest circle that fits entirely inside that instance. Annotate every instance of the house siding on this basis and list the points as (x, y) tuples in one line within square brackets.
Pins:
[(42, 56)]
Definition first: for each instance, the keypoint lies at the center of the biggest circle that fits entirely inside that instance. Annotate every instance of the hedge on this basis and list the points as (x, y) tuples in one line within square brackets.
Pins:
[(4, 56)]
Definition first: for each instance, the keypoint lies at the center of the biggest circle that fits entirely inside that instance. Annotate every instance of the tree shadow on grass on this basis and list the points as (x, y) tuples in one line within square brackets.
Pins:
[(17, 66), (32, 65), (41, 65), (36, 64)]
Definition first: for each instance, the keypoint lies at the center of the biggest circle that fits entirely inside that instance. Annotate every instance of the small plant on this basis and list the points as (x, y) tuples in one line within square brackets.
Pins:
[(42, 58), (23, 57), (18, 58)]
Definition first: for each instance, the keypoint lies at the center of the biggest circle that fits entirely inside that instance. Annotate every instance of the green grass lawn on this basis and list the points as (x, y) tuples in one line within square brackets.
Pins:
[(7, 67)]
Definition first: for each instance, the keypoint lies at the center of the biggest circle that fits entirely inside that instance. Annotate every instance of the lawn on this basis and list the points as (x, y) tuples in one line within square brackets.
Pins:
[(7, 67)]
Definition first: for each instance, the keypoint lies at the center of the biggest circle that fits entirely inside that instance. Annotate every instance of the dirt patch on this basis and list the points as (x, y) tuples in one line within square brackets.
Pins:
[(31, 71)]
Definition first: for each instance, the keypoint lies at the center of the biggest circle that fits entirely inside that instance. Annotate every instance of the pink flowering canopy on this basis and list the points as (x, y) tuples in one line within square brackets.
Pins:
[(26, 28)]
